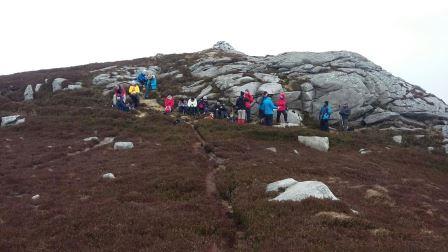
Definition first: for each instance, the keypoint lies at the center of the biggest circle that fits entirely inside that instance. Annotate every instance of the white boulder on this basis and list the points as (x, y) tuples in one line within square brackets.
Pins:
[(398, 139), (315, 142), (12, 120), (74, 86), (123, 145), (35, 197), (28, 95), (108, 176), (37, 88), (307, 189), (271, 88), (57, 84), (281, 184)]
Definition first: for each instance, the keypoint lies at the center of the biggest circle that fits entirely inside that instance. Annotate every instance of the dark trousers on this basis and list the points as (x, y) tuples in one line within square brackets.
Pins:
[(135, 100), (248, 116), (193, 111), (324, 126), (268, 120), (285, 115)]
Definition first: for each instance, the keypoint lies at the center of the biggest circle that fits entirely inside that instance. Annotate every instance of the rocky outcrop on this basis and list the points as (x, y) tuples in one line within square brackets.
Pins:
[(374, 96), (28, 95)]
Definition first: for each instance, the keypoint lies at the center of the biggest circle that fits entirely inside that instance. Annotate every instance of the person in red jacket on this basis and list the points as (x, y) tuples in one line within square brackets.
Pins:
[(282, 108), (169, 104), (248, 100)]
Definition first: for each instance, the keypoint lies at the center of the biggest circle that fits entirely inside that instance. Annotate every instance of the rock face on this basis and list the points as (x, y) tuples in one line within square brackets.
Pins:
[(374, 96), (315, 142), (298, 191), (28, 95)]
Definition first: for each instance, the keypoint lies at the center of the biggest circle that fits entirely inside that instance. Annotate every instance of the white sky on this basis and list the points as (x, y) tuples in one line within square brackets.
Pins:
[(407, 38)]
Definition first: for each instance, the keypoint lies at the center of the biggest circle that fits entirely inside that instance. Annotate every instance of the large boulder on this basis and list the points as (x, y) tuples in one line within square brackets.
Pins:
[(28, 95), (380, 117), (301, 190), (235, 91), (12, 120), (315, 142), (222, 45), (271, 88), (57, 84)]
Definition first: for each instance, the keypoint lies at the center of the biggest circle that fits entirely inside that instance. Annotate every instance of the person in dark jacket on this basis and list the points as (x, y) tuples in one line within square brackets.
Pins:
[(219, 111), (344, 112), (240, 106), (324, 116)]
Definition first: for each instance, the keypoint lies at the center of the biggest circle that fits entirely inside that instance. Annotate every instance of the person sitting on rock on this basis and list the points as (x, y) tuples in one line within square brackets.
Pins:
[(219, 111), (344, 112), (134, 92), (203, 105), (240, 106), (324, 116), (282, 108), (182, 105), (169, 104), (248, 100), (192, 106), (268, 110), (120, 101), (119, 90)]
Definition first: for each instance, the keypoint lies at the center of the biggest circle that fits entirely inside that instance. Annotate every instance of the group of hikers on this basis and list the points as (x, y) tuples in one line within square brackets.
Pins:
[(241, 112)]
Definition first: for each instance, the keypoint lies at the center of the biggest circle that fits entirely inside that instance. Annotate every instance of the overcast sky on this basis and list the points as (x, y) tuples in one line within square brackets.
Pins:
[(407, 38)]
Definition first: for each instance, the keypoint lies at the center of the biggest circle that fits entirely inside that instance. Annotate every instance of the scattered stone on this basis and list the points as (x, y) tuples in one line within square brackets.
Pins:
[(123, 145), (28, 94), (74, 86), (354, 211), (108, 176), (419, 136), (315, 142), (273, 149), (35, 197), (296, 152), (88, 139), (398, 139), (380, 232), (57, 84), (431, 149), (37, 88), (12, 120), (334, 215), (364, 151), (303, 190)]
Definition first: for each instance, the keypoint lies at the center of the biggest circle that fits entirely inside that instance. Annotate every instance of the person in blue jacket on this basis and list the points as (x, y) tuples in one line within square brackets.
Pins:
[(268, 110), (324, 116), (153, 82)]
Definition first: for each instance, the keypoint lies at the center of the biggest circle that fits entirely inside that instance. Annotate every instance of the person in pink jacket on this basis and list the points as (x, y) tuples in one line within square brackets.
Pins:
[(282, 108)]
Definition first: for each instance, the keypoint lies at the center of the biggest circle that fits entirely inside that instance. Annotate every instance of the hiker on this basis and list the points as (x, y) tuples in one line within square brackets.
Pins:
[(134, 92), (203, 105), (121, 104), (282, 108), (219, 111), (240, 106), (248, 100), (344, 112), (119, 90), (182, 105), (268, 110), (153, 81), (169, 104), (324, 116), (260, 108), (142, 80), (192, 106)]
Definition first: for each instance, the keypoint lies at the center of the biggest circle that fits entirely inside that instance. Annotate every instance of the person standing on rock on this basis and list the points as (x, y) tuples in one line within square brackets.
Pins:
[(268, 110), (134, 92), (324, 116), (248, 100), (344, 112), (282, 108), (240, 107)]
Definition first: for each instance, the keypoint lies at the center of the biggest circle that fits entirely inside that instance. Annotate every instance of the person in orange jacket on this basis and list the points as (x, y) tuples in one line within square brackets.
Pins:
[(169, 104), (248, 100), (282, 108)]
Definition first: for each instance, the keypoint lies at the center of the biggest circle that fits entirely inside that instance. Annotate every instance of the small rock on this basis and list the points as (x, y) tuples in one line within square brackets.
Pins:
[(431, 149), (296, 152), (364, 151), (303, 190), (398, 139), (354, 211), (108, 176), (37, 88), (333, 215), (74, 87), (88, 139), (273, 149), (419, 136), (35, 197), (123, 145)]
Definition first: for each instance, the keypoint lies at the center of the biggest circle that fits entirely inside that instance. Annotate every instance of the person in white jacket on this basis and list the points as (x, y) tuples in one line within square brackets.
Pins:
[(192, 106)]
